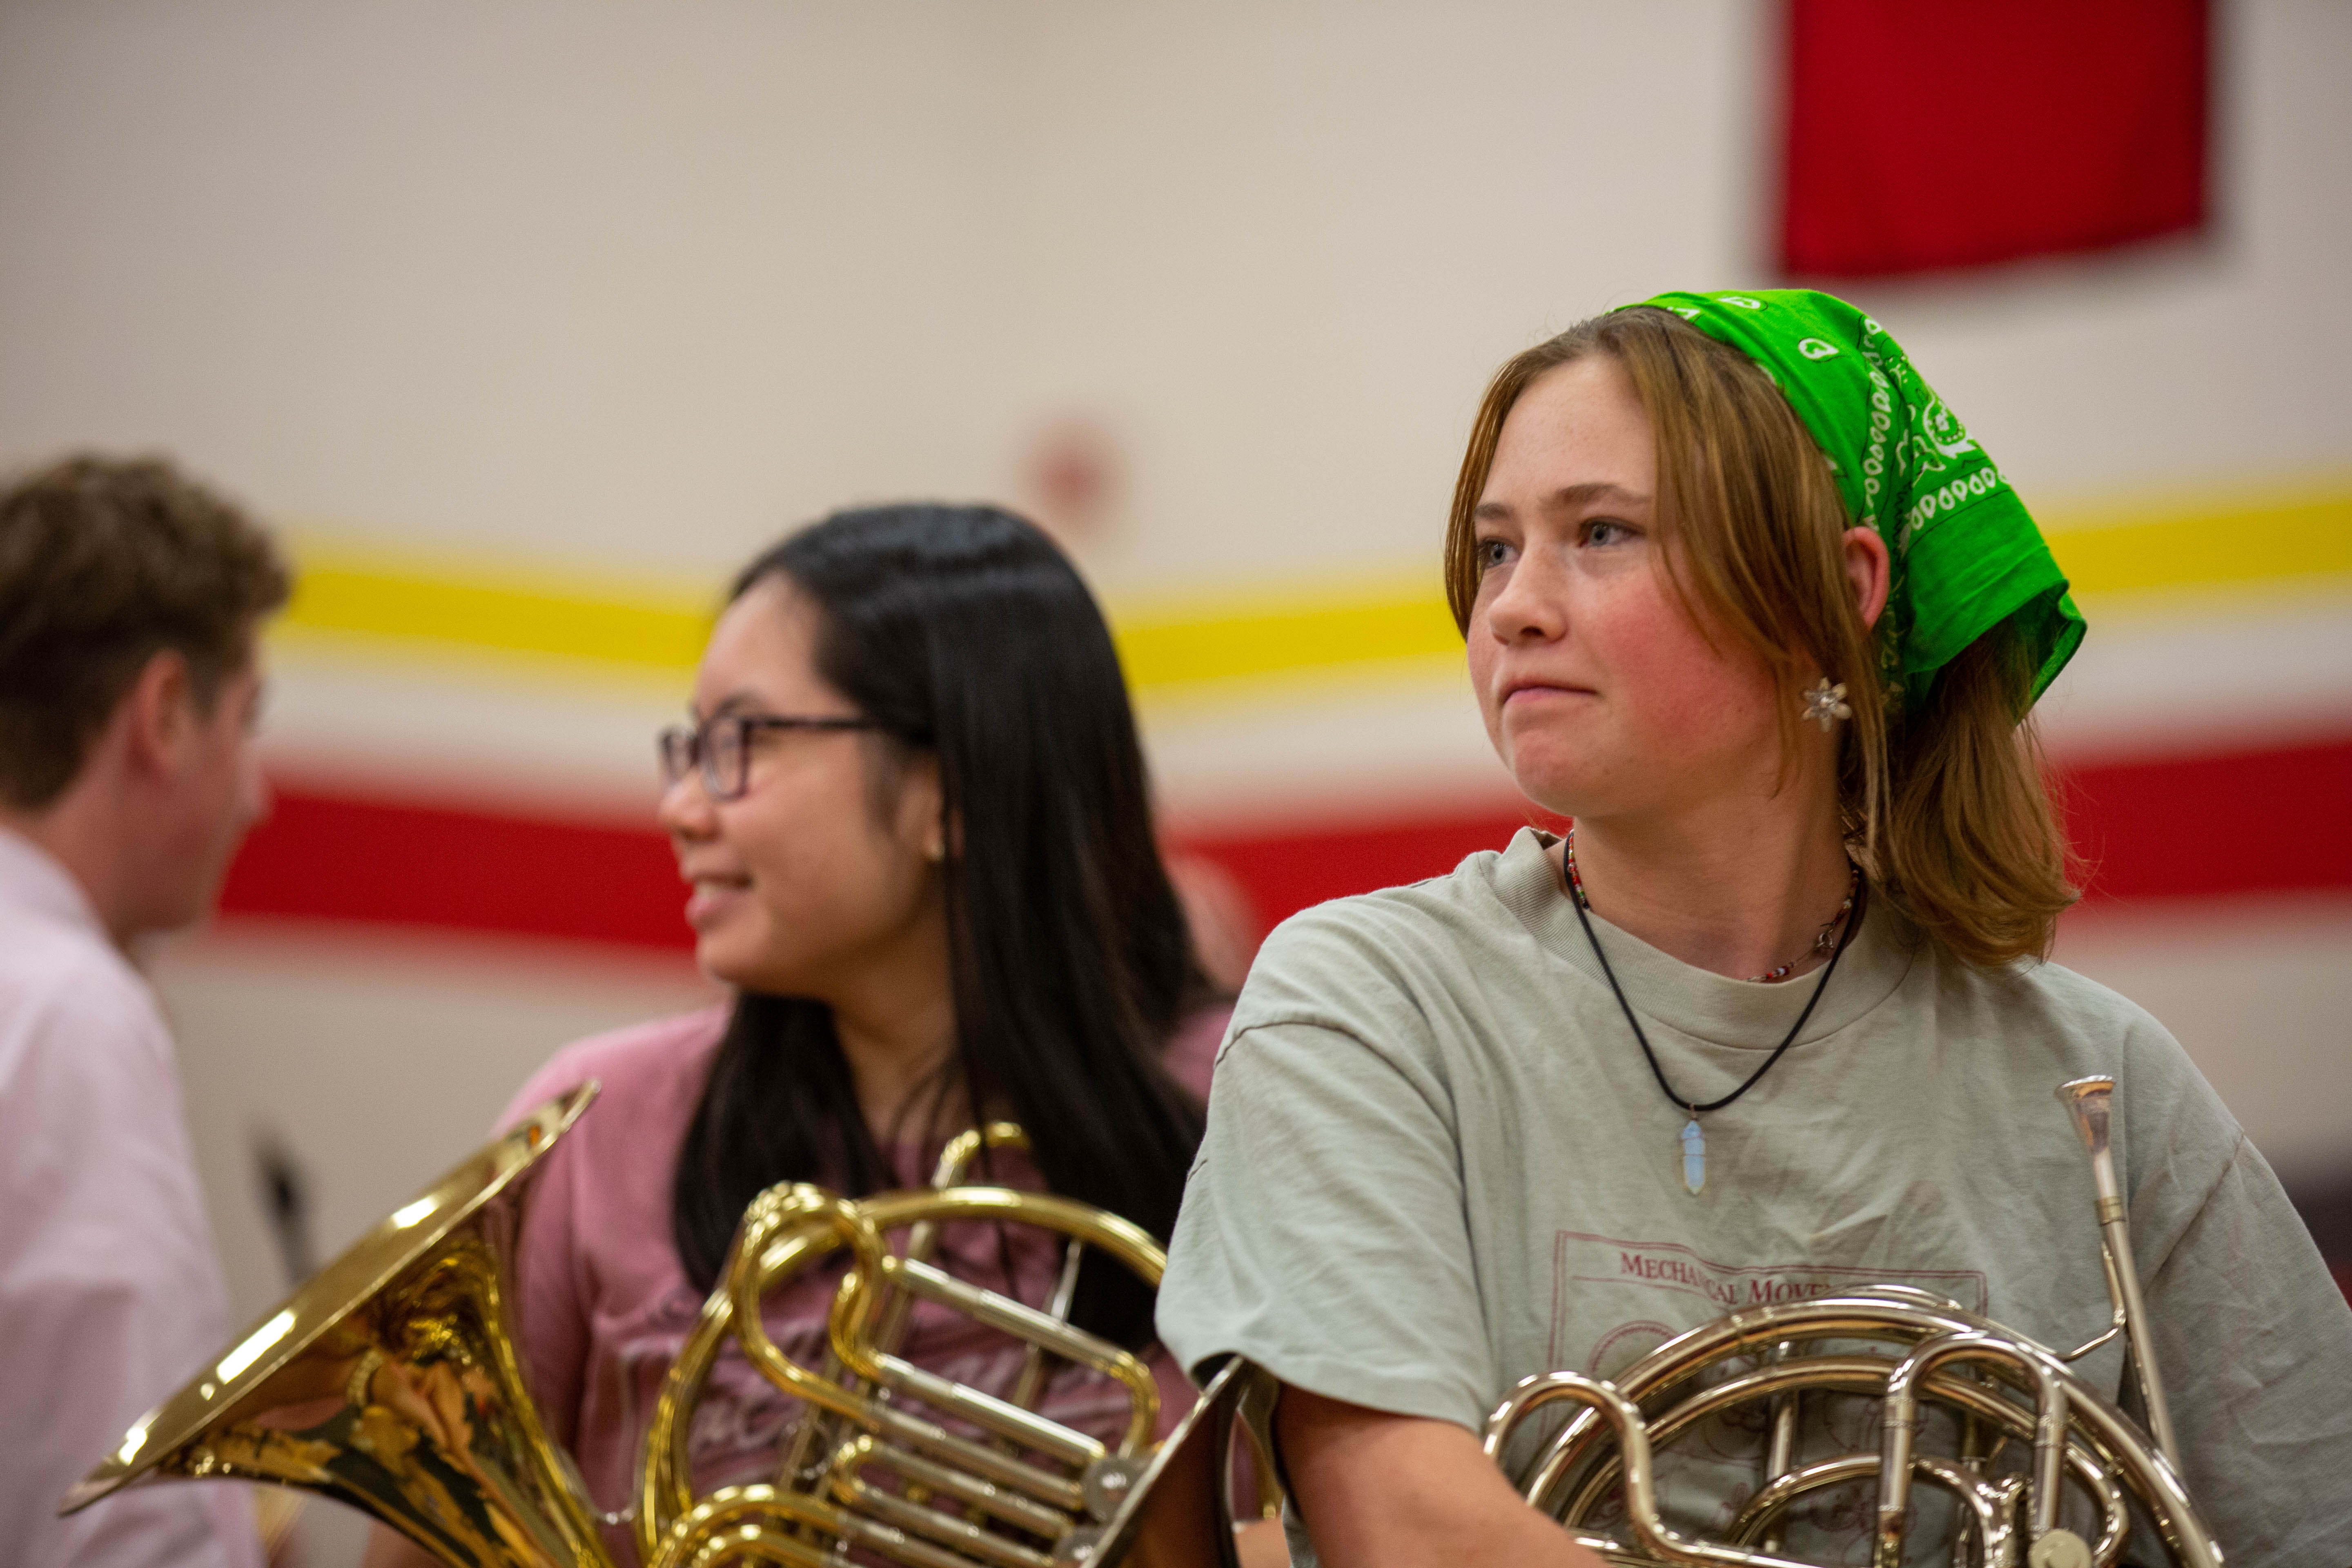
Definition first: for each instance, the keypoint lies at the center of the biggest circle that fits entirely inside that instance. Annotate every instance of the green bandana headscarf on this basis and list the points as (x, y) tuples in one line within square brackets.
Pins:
[(1966, 555)]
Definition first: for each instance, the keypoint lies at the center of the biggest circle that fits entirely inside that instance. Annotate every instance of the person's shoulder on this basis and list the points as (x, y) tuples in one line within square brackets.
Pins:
[(65, 985), (1437, 913), (46, 958), (1374, 964), (1436, 908), (2145, 1055), (2063, 998), (644, 1064), (2057, 1020)]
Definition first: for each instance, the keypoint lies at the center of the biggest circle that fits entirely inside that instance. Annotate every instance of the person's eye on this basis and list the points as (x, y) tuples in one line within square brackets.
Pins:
[(1609, 531), (1490, 553)]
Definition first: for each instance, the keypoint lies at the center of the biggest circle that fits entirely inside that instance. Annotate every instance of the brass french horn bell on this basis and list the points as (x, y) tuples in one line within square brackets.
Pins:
[(388, 1383)]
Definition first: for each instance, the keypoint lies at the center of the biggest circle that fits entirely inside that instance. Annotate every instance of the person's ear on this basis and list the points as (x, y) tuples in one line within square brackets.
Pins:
[(923, 808), (160, 714), (944, 834), (1869, 570)]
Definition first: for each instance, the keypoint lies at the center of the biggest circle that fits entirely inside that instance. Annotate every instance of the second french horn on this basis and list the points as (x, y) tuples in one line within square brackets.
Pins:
[(391, 1383), (888, 1456)]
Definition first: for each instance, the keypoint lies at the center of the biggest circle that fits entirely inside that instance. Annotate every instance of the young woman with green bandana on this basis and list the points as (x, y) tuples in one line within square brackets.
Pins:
[(1744, 600)]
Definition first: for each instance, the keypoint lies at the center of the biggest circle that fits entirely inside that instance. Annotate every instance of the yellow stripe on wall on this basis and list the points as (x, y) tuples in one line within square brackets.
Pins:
[(498, 608), (2174, 548), (1178, 643), (343, 594), (1171, 644)]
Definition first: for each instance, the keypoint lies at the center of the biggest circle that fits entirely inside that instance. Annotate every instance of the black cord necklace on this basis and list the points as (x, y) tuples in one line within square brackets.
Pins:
[(1693, 1141)]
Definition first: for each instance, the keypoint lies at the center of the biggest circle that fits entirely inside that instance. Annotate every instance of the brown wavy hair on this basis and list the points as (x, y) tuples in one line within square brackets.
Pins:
[(1944, 803)]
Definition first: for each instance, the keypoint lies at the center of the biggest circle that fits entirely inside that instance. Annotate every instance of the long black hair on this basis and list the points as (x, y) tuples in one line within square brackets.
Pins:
[(963, 633)]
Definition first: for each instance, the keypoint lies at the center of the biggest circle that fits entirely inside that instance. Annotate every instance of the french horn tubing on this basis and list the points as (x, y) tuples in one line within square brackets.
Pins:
[(390, 1383)]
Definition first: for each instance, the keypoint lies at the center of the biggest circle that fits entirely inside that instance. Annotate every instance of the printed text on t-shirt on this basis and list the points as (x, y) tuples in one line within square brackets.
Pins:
[(1583, 1266)]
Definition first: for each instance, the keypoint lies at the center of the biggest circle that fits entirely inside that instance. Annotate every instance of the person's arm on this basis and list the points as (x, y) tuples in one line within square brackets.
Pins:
[(109, 1291), (2254, 1341), (1324, 1237), (1377, 1490)]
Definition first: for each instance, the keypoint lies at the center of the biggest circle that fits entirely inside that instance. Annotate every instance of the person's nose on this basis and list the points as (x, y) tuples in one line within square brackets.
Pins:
[(686, 810), (1532, 603)]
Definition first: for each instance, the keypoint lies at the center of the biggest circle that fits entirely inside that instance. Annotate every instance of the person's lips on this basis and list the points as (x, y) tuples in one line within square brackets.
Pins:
[(1521, 691), (713, 895)]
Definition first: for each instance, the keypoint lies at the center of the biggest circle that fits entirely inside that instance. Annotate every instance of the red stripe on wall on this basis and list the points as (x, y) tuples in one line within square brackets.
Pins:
[(2273, 820), (335, 858), (2277, 820)]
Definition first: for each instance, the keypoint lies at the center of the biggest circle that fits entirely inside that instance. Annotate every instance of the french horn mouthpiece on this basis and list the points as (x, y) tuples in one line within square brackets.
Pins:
[(2087, 1100)]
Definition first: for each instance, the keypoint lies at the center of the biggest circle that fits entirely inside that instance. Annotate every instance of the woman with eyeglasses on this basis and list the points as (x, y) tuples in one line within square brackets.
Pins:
[(913, 815)]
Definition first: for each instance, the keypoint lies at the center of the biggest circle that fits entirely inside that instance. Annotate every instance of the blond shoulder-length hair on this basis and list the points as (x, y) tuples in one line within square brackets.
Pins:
[(1943, 802)]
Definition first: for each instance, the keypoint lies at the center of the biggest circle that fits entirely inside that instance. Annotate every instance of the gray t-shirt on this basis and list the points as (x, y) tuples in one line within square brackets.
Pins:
[(1436, 1162)]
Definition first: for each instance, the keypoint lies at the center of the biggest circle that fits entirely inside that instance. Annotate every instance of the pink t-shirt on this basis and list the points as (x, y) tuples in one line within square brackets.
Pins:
[(603, 1304)]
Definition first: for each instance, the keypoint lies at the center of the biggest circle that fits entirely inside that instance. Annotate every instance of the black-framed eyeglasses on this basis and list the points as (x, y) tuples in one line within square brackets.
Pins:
[(721, 747)]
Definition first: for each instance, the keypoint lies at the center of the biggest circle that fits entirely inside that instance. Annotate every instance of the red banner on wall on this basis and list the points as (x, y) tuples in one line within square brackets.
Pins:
[(1925, 134)]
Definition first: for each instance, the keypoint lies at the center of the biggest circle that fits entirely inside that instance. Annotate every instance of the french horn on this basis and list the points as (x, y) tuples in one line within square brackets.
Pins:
[(390, 1383)]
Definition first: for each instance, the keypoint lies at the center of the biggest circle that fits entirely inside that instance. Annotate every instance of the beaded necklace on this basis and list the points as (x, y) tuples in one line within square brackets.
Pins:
[(1824, 939)]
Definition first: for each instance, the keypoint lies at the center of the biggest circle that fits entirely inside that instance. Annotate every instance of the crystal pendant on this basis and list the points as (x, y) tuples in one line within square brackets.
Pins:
[(1694, 1156)]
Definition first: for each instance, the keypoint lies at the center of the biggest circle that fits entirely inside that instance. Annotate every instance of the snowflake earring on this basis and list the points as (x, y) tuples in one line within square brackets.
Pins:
[(1827, 703)]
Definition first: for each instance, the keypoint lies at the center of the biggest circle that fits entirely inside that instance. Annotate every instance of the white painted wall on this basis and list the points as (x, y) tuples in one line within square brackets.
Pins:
[(639, 286), (643, 284)]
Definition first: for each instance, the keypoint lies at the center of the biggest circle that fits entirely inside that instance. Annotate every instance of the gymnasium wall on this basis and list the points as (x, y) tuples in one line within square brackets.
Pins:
[(528, 323)]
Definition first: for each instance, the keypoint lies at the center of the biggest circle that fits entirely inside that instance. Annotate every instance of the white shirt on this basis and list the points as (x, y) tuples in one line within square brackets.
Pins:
[(110, 1296)]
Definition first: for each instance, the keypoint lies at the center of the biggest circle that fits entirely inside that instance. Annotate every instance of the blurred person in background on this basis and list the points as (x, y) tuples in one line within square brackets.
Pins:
[(1744, 600), (130, 684), (913, 812)]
